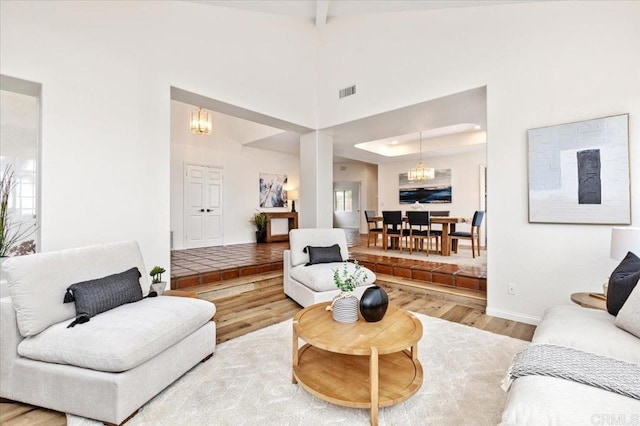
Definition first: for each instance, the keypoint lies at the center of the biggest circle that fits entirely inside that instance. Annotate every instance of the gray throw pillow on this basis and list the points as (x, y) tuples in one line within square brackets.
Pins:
[(96, 296), (622, 282), (323, 254), (628, 318)]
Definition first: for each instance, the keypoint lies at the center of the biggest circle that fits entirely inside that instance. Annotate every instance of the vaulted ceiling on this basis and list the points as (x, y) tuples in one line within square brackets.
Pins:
[(321, 11), (386, 137)]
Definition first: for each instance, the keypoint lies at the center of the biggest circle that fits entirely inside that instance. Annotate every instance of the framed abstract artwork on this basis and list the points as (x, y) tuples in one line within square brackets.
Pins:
[(272, 192), (436, 190), (579, 172)]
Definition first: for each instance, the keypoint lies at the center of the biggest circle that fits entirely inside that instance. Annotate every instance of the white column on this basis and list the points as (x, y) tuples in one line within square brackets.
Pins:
[(316, 181)]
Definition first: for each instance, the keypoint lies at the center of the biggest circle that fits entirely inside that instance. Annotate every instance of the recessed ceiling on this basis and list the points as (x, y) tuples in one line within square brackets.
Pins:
[(469, 106), (405, 144)]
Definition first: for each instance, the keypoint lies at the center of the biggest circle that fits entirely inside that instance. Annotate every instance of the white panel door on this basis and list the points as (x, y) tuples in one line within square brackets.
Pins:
[(203, 206)]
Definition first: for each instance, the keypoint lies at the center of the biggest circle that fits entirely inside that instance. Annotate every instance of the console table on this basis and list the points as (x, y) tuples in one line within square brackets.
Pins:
[(292, 219)]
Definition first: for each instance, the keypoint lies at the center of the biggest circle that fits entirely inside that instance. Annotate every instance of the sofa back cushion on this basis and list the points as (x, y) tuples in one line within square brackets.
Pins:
[(38, 282), (316, 237)]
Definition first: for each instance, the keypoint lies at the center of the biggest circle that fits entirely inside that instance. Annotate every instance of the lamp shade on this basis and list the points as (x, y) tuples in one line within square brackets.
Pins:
[(292, 194), (624, 240)]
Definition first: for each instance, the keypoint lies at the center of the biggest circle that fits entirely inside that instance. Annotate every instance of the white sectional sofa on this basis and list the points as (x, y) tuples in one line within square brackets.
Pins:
[(312, 284), (539, 400), (108, 367)]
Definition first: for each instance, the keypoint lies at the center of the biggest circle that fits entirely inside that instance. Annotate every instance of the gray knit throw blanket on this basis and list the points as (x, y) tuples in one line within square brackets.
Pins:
[(582, 367)]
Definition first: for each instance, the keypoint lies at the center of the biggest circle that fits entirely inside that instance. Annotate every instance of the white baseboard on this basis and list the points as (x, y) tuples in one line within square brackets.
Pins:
[(513, 316)]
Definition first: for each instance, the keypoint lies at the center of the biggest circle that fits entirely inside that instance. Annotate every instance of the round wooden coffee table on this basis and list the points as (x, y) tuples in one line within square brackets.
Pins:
[(360, 365)]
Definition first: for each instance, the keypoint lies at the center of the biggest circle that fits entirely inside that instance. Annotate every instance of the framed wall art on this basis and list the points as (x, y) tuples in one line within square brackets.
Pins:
[(579, 172), (436, 190), (272, 192)]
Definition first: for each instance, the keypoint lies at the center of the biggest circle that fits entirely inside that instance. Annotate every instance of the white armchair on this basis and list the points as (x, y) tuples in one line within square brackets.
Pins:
[(313, 284)]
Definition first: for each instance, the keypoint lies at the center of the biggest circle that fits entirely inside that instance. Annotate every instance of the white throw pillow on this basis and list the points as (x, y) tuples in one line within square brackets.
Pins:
[(628, 318)]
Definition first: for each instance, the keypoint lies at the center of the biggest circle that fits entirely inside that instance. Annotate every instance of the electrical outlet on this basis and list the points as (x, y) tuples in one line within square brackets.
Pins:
[(511, 288)]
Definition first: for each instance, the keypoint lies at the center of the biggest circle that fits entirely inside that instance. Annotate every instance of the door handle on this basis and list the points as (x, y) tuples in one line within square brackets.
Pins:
[(201, 210)]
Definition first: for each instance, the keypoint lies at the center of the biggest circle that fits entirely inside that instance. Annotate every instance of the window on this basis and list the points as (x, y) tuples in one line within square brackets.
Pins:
[(19, 154), (342, 201)]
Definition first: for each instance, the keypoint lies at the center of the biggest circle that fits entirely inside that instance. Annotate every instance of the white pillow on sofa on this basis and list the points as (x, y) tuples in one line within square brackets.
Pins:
[(628, 318)]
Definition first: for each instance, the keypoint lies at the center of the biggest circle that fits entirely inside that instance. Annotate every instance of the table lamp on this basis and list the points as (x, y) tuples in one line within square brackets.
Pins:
[(624, 240), (293, 196)]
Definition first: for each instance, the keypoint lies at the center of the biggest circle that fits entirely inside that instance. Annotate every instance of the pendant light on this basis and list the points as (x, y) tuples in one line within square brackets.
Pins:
[(420, 172), (201, 122)]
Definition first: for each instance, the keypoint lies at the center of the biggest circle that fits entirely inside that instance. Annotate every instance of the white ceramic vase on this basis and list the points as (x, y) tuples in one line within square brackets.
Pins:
[(345, 308)]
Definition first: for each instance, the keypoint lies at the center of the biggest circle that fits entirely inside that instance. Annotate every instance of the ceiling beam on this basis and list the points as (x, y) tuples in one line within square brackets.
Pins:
[(322, 10)]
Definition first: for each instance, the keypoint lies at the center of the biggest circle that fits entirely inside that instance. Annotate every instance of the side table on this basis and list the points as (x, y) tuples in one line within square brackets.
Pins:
[(590, 300)]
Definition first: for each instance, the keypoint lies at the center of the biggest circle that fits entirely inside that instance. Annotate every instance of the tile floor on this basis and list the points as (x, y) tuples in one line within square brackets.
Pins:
[(199, 266)]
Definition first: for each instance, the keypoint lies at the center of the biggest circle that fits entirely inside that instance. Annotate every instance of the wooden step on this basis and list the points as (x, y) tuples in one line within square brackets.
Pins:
[(460, 296)]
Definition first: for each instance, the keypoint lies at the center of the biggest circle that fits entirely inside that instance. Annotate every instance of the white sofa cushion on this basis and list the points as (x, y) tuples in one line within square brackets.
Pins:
[(319, 277), (549, 401), (321, 237), (37, 283), (121, 338), (588, 330)]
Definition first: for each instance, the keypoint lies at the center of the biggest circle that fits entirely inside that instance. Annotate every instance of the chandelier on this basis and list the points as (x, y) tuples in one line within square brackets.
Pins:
[(420, 172), (201, 122)]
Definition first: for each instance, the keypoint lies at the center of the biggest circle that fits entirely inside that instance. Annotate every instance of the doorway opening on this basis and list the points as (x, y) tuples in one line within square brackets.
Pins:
[(346, 205)]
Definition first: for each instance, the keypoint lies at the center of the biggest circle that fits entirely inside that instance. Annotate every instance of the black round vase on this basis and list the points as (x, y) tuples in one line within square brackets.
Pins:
[(373, 304), (261, 236)]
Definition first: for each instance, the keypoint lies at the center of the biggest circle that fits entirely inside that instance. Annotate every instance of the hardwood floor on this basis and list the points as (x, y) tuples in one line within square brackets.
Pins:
[(250, 303)]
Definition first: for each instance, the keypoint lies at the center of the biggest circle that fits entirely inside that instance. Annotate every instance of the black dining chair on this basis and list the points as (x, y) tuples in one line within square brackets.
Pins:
[(474, 235), (420, 230), (392, 228), (374, 230)]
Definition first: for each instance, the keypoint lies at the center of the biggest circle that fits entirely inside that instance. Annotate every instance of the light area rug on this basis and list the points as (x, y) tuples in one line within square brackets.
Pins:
[(248, 382)]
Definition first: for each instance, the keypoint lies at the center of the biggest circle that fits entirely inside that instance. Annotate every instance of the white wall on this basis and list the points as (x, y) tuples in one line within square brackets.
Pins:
[(465, 183), (106, 70), (367, 174), (543, 63), (241, 165)]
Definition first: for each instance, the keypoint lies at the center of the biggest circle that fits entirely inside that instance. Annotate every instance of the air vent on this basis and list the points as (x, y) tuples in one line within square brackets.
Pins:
[(347, 91)]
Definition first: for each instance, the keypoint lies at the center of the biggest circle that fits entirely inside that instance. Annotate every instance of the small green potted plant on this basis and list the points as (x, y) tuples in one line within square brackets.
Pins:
[(157, 284), (259, 221), (345, 306)]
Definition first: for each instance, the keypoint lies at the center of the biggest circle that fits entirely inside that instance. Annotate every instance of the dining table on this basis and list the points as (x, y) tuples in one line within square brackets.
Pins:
[(448, 225)]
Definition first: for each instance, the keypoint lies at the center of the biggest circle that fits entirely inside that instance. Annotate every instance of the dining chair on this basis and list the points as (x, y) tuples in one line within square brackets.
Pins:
[(474, 235), (420, 230), (374, 230), (392, 228)]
